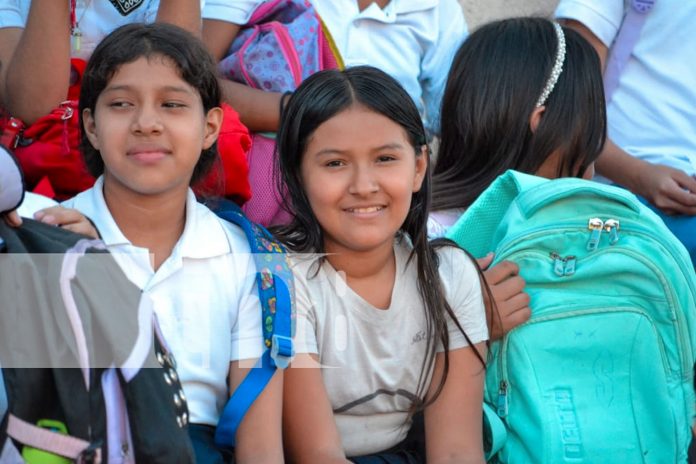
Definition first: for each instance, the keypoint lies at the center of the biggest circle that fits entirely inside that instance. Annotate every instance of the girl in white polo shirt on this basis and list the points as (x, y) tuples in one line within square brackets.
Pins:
[(150, 112), (397, 324)]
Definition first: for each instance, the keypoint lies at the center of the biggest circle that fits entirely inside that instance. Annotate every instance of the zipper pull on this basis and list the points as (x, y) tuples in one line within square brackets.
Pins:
[(502, 399), (557, 264), (569, 269), (595, 225), (612, 226)]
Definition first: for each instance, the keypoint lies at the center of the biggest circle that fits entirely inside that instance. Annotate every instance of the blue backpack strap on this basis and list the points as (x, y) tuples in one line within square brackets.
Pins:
[(275, 287)]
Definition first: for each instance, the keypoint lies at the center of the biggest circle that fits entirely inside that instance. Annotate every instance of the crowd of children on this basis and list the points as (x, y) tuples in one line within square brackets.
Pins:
[(392, 326)]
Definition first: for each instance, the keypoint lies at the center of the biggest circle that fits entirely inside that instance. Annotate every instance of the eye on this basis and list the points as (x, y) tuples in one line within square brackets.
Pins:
[(385, 158), (173, 104), (120, 104), (334, 164)]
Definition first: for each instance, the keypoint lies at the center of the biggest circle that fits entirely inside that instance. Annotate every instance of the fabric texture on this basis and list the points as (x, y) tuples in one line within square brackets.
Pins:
[(652, 112), (371, 358), (204, 296), (412, 40)]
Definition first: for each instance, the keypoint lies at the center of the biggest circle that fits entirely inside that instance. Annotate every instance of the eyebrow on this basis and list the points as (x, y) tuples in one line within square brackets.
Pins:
[(166, 88), (336, 151)]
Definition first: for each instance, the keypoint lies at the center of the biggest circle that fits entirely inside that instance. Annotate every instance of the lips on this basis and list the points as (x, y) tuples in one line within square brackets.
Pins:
[(148, 153)]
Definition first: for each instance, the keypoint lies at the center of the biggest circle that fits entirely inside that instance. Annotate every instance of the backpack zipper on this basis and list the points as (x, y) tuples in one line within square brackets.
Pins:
[(596, 225), (288, 49)]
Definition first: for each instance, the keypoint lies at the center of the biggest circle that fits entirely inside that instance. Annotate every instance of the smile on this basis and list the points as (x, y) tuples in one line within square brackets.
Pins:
[(365, 210)]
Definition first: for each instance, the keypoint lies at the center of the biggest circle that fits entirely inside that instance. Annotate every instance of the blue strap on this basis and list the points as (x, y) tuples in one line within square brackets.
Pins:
[(275, 287)]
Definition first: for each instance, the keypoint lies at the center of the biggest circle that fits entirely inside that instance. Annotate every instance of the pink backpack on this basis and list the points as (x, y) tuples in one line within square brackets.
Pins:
[(283, 43)]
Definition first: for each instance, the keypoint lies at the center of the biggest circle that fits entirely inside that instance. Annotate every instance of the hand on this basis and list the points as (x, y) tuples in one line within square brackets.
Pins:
[(69, 219), (12, 219), (670, 189), (507, 289)]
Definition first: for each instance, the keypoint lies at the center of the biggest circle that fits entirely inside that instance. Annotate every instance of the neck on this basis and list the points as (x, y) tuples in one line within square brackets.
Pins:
[(155, 222)]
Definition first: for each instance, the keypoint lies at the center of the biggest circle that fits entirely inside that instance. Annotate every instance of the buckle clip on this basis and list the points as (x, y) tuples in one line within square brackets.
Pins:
[(282, 351)]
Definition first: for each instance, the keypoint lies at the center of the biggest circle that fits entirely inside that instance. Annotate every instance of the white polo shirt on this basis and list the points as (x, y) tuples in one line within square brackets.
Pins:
[(204, 296), (97, 18), (414, 41), (652, 114)]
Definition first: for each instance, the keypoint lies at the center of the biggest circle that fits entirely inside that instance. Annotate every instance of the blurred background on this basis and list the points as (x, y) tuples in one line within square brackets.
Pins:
[(478, 12)]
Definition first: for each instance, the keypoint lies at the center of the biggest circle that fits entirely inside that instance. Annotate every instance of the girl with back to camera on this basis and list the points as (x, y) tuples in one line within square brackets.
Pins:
[(150, 111), (397, 323), (523, 94)]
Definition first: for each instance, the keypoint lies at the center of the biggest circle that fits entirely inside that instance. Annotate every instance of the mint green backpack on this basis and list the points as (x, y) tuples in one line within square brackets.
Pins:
[(603, 370)]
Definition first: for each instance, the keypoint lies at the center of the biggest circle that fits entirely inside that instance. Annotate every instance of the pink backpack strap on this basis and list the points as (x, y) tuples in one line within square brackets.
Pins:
[(53, 442), (623, 45)]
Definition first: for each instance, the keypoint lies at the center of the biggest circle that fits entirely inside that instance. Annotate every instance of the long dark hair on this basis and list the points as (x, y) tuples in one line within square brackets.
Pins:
[(318, 99), (492, 89), (132, 41)]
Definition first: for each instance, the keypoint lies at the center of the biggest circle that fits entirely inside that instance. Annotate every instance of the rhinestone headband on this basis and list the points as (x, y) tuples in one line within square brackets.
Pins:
[(557, 66)]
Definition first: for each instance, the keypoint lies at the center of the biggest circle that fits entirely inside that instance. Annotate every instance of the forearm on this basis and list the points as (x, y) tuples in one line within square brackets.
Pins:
[(619, 166), (183, 13), (258, 110), (38, 74)]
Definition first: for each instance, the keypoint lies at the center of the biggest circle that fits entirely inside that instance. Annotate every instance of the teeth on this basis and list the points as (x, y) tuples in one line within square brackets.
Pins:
[(371, 209)]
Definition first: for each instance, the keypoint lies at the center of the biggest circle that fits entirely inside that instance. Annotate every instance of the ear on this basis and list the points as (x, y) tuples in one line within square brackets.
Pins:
[(535, 118), (213, 124), (421, 168), (90, 127)]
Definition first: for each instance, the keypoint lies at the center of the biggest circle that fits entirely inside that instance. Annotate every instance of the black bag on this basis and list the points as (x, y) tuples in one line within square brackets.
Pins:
[(87, 373)]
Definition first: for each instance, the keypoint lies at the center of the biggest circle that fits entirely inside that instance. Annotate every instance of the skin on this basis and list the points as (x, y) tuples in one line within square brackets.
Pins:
[(150, 128), (670, 189), (360, 171), (34, 78)]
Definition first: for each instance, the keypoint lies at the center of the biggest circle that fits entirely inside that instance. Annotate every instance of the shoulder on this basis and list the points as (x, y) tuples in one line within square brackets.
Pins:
[(214, 228), (455, 264)]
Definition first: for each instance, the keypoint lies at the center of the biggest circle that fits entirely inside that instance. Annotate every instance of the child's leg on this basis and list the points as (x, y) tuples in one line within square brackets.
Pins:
[(203, 439)]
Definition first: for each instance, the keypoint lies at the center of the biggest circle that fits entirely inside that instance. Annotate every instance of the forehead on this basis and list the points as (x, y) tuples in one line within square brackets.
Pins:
[(148, 71), (358, 127)]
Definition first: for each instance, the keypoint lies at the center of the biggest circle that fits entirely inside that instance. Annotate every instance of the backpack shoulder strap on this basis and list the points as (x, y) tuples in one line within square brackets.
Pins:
[(625, 41), (275, 286)]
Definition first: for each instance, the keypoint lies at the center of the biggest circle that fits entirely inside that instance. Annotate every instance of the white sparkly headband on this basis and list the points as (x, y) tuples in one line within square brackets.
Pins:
[(557, 66)]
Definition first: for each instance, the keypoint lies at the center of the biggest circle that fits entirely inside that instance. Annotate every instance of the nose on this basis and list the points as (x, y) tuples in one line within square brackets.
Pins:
[(364, 181), (146, 120)]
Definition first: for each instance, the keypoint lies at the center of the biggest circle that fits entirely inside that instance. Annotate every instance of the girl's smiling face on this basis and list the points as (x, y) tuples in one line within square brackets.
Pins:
[(359, 172), (150, 127)]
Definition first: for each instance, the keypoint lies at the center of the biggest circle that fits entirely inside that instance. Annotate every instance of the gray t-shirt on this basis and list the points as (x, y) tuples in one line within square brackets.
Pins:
[(371, 358)]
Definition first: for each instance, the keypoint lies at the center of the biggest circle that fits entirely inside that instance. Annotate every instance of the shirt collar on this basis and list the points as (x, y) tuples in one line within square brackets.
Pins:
[(394, 8), (203, 236)]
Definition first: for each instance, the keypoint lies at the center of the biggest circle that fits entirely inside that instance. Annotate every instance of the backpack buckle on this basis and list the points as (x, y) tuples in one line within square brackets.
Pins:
[(282, 351)]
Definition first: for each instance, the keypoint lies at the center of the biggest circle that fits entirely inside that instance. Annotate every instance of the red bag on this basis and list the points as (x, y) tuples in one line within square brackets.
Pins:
[(52, 164)]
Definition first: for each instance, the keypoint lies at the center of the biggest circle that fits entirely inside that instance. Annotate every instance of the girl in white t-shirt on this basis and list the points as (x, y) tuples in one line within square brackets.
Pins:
[(397, 324), (150, 111)]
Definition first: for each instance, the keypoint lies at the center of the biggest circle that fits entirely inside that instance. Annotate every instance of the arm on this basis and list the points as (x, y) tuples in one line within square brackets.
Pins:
[(34, 77), (183, 13), (258, 110), (259, 438), (670, 189), (309, 428), (453, 423)]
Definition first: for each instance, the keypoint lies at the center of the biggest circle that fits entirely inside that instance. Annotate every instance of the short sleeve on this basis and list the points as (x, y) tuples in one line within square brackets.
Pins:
[(602, 17), (437, 59), (235, 12), (247, 335), (13, 13), (463, 292), (306, 323)]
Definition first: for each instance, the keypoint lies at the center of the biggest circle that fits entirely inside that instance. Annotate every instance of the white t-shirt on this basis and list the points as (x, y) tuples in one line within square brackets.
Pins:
[(96, 18), (414, 41), (439, 222), (204, 296), (652, 114), (371, 358)]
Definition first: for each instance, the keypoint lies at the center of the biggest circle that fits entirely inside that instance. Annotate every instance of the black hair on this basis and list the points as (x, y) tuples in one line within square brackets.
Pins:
[(319, 98), (496, 78), (128, 43)]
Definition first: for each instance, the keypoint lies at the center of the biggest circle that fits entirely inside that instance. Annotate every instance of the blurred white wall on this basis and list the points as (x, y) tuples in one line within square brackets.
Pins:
[(478, 12)]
